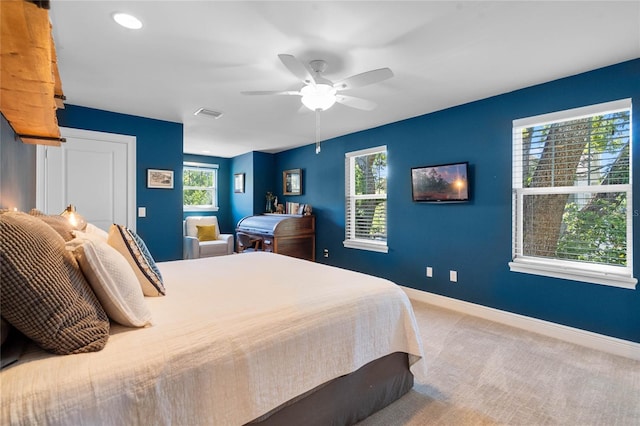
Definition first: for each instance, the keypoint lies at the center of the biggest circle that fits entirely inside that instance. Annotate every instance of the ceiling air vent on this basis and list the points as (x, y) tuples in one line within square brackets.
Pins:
[(208, 113)]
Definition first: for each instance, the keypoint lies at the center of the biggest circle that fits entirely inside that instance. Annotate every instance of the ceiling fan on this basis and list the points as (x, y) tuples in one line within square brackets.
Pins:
[(319, 93)]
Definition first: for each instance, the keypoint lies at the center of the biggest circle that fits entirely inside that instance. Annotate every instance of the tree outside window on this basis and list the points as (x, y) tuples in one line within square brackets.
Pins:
[(199, 188), (366, 199), (571, 191)]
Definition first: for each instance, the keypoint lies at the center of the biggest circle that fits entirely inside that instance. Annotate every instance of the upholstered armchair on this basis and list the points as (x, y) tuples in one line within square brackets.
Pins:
[(195, 247)]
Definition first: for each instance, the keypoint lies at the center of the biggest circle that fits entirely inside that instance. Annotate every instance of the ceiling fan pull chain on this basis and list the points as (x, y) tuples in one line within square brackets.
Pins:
[(318, 131)]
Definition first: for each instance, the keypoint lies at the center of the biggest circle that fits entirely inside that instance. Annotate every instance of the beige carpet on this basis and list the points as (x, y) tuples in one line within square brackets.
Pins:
[(485, 373)]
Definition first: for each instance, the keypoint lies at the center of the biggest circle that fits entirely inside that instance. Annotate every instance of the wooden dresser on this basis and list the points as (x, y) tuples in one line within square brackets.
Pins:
[(291, 235)]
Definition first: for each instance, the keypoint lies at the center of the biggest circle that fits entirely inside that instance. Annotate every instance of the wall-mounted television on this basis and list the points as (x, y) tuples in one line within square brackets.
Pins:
[(444, 183)]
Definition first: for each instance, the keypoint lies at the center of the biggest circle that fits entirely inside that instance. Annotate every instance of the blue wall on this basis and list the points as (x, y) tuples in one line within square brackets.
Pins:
[(473, 238), (263, 180), (259, 170), (158, 146), (242, 203), (224, 213)]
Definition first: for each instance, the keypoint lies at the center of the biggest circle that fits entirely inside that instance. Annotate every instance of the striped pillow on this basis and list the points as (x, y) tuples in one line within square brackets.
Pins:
[(131, 246), (44, 294)]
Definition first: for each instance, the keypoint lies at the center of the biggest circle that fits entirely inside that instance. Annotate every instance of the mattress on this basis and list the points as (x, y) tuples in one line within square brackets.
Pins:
[(235, 337)]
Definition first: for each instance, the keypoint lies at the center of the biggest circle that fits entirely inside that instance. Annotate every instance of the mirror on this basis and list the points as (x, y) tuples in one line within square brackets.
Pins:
[(292, 182)]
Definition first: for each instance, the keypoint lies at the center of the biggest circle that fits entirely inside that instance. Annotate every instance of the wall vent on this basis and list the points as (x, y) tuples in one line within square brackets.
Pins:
[(208, 113)]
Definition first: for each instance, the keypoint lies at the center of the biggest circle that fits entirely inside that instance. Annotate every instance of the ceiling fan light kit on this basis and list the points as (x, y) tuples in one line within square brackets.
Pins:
[(318, 97)]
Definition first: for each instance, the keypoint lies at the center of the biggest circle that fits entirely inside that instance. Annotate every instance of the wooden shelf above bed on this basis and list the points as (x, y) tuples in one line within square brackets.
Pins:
[(30, 86)]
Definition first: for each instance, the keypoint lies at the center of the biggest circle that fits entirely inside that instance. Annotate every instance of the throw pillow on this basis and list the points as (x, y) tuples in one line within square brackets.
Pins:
[(191, 222), (113, 281), (206, 232), (44, 294), (57, 222), (134, 250), (91, 229)]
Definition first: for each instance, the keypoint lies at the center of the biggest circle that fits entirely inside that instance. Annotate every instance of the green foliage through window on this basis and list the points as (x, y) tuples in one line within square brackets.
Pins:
[(371, 213), (366, 196), (596, 233), (574, 187), (199, 187)]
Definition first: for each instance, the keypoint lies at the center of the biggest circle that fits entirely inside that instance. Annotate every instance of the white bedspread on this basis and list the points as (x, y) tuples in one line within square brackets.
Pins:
[(235, 337)]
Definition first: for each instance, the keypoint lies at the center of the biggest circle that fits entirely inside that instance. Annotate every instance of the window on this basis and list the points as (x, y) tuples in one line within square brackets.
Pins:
[(366, 199), (572, 195), (199, 186)]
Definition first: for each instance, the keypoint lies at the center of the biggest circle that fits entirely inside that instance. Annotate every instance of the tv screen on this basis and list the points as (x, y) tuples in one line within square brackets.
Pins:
[(442, 183)]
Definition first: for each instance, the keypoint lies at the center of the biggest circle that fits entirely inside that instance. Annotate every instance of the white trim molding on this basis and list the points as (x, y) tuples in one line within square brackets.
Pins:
[(380, 247), (606, 275), (577, 336)]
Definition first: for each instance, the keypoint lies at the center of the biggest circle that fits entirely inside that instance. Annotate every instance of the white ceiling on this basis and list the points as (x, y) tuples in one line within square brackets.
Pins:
[(192, 54)]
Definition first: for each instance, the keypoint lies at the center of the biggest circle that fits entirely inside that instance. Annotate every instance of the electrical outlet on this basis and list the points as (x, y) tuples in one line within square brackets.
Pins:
[(429, 271), (453, 276), (142, 212), (325, 252)]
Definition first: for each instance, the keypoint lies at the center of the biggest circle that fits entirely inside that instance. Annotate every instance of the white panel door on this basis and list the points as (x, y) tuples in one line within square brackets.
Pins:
[(93, 171)]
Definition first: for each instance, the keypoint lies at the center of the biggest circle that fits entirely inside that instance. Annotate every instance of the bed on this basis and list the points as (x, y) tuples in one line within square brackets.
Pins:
[(252, 338)]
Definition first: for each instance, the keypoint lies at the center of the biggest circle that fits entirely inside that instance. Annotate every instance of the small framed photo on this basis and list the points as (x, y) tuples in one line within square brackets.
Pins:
[(238, 182), (157, 178), (292, 182)]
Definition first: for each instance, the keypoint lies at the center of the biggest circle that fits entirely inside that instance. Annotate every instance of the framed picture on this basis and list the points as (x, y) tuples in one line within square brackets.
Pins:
[(238, 182), (292, 182), (157, 178)]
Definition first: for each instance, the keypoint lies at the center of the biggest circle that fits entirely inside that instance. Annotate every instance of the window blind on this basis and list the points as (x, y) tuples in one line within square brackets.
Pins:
[(588, 151), (572, 188), (366, 198), (199, 186)]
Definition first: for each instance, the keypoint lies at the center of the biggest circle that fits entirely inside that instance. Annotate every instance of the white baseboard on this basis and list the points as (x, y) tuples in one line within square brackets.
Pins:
[(585, 338)]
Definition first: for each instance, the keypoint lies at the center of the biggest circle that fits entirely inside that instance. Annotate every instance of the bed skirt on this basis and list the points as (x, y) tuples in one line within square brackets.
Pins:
[(347, 399)]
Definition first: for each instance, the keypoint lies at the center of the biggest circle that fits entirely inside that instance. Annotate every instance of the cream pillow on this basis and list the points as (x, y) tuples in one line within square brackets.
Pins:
[(91, 229), (112, 279)]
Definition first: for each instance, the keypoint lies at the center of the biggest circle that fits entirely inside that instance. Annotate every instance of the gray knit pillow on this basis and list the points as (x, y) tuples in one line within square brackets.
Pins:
[(60, 224), (43, 293)]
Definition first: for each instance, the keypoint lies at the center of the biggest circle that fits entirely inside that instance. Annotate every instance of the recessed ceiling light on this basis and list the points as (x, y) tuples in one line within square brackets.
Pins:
[(127, 21)]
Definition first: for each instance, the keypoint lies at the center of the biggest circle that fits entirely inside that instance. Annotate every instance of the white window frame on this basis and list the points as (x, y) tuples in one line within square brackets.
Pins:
[(616, 276), (350, 197), (199, 166)]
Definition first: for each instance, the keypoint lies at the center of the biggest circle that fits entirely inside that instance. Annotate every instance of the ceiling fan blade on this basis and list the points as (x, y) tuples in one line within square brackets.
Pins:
[(364, 79), (271, 92), (358, 103), (297, 68)]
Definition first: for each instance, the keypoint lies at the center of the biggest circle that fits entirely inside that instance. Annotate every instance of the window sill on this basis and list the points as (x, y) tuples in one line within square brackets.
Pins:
[(199, 209), (366, 245), (547, 269)]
